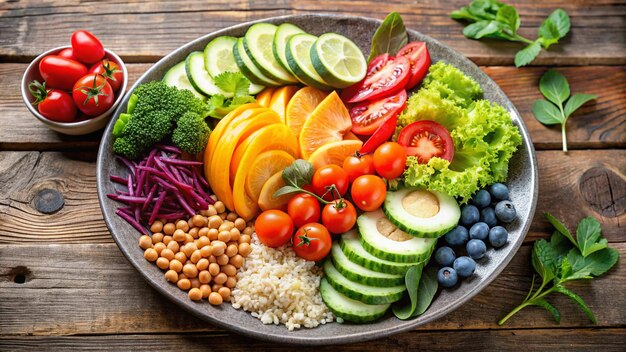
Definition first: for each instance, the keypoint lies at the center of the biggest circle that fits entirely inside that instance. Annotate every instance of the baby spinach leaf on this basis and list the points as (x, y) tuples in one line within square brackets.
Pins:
[(508, 16), (427, 289), (576, 101), (481, 29), (554, 87), (390, 37), (576, 298), (546, 112), (527, 55), (561, 20), (404, 309)]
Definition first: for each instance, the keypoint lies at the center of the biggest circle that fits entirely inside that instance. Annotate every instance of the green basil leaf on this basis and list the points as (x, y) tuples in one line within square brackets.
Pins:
[(554, 87), (588, 235), (390, 37), (547, 306), (481, 29), (596, 263), (404, 309), (298, 174), (549, 30), (546, 113), (579, 301), (527, 55), (576, 101), (560, 227), (463, 14), (508, 16), (544, 260), (286, 190), (561, 20), (427, 289)]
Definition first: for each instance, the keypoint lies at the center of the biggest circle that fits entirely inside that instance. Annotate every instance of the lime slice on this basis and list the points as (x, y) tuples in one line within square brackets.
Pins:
[(258, 43), (338, 60)]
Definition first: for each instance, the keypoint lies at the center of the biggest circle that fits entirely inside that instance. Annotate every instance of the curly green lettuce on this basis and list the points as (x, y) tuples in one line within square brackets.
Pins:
[(483, 134)]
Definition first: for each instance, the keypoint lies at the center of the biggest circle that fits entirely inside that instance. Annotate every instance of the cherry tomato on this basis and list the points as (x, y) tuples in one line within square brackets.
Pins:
[(61, 73), (274, 228), (369, 115), (111, 71), (93, 94), (326, 176), (54, 104), (339, 216), (385, 76), (68, 54), (382, 134), (426, 139), (303, 208), (312, 242), (390, 160), (368, 192), (419, 57), (359, 164), (86, 47)]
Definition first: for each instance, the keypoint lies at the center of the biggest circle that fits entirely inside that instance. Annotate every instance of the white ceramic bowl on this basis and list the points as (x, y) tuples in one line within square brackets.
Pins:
[(73, 128)]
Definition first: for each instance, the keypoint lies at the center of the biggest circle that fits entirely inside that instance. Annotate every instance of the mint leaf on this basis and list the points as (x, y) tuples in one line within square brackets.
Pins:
[(576, 101), (390, 36), (561, 21), (566, 268), (527, 55), (588, 236), (560, 227), (485, 9), (546, 113), (508, 16), (548, 34), (482, 29), (579, 301), (544, 260), (560, 244), (596, 263), (554, 87), (547, 306)]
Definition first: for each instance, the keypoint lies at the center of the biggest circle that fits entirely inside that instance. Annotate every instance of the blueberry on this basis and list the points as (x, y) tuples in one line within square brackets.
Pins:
[(464, 266), (498, 236), (505, 211), (482, 199), (469, 215), (488, 216), (499, 191), (445, 256), (457, 236), (447, 277), (479, 230), (476, 249)]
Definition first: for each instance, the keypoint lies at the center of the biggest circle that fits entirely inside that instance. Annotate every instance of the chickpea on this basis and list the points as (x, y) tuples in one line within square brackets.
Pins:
[(196, 256), (150, 254), (240, 224), (244, 249), (183, 225), (219, 207), (218, 244), (156, 226), (181, 276), (222, 259), (198, 220), (231, 216), (183, 284), (224, 236), (215, 298), (203, 232), (173, 246), (157, 238), (216, 287), (248, 231), (212, 259), (212, 234), (171, 276), (225, 293), (203, 212), (167, 254), (204, 276), (190, 271), (231, 282), (222, 216), (145, 242), (193, 232), (188, 238), (169, 228), (167, 239), (206, 251), (234, 234), (159, 247), (206, 290), (176, 265), (215, 221), (226, 226), (202, 264), (189, 248), (195, 294), (214, 269), (190, 223), (244, 239), (179, 235), (203, 242), (181, 257), (211, 210), (163, 263), (220, 278), (236, 261), (231, 250), (229, 270), (195, 282)]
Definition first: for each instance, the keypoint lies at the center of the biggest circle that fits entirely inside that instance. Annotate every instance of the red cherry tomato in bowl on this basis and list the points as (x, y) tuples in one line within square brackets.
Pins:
[(60, 72), (359, 164), (326, 176), (274, 228), (312, 242), (385, 76), (53, 104), (339, 216), (426, 139), (303, 208), (111, 71), (93, 95), (368, 192), (369, 115), (68, 54), (419, 57), (86, 47), (390, 160)]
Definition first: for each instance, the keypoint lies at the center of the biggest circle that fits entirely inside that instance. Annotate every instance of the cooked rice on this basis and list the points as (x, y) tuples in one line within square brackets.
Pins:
[(277, 286)]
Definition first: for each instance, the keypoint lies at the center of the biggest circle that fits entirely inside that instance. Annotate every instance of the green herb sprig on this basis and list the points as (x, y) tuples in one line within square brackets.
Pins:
[(421, 286), (390, 36), (493, 19), (559, 106), (563, 259), (237, 86)]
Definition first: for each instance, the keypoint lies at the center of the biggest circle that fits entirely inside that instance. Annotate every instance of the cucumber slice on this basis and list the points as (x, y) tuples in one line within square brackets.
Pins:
[(394, 245), (360, 292), (355, 272), (177, 77), (199, 77), (349, 309), (400, 204), (248, 68), (258, 43), (283, 33), (354, 251), (298, 56), (338, 60), (219, 58)]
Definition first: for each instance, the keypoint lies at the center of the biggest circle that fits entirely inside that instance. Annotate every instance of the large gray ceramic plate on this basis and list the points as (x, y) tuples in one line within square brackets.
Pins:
[(522, 182)]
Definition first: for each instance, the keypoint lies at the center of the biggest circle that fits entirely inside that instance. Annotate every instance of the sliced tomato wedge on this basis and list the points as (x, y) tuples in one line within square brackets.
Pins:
[(385, 76), (419, 57), (426, 139), (382, 134), (368, 115)]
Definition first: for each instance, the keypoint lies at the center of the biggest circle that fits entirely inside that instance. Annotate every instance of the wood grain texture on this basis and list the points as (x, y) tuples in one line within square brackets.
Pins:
[(23, 174), (142, 31), (599, 124), (105, 295)]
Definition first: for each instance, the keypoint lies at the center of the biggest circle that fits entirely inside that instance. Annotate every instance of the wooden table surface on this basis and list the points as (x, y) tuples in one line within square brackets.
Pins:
[(65, 285)]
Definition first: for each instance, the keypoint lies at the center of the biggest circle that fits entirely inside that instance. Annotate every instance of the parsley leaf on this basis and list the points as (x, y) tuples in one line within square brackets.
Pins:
[(236, 86)]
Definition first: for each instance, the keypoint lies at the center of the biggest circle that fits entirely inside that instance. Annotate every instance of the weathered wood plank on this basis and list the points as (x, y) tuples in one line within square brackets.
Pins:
[(105, 295), (142, 31), (600, 124)]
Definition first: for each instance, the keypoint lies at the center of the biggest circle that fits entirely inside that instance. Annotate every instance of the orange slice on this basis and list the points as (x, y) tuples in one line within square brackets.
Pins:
[(263, 167), (329, 122), (266, 197), (334, 153), (265, 97), (280, 98), (301, 106)]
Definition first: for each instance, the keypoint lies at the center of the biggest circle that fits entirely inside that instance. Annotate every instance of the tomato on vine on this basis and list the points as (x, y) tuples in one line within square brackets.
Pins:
[(312, 242), (329, 175), (339, 216)]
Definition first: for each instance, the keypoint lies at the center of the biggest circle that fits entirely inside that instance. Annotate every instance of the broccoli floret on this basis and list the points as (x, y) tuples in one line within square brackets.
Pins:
[(192, 133), (155, 113)]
